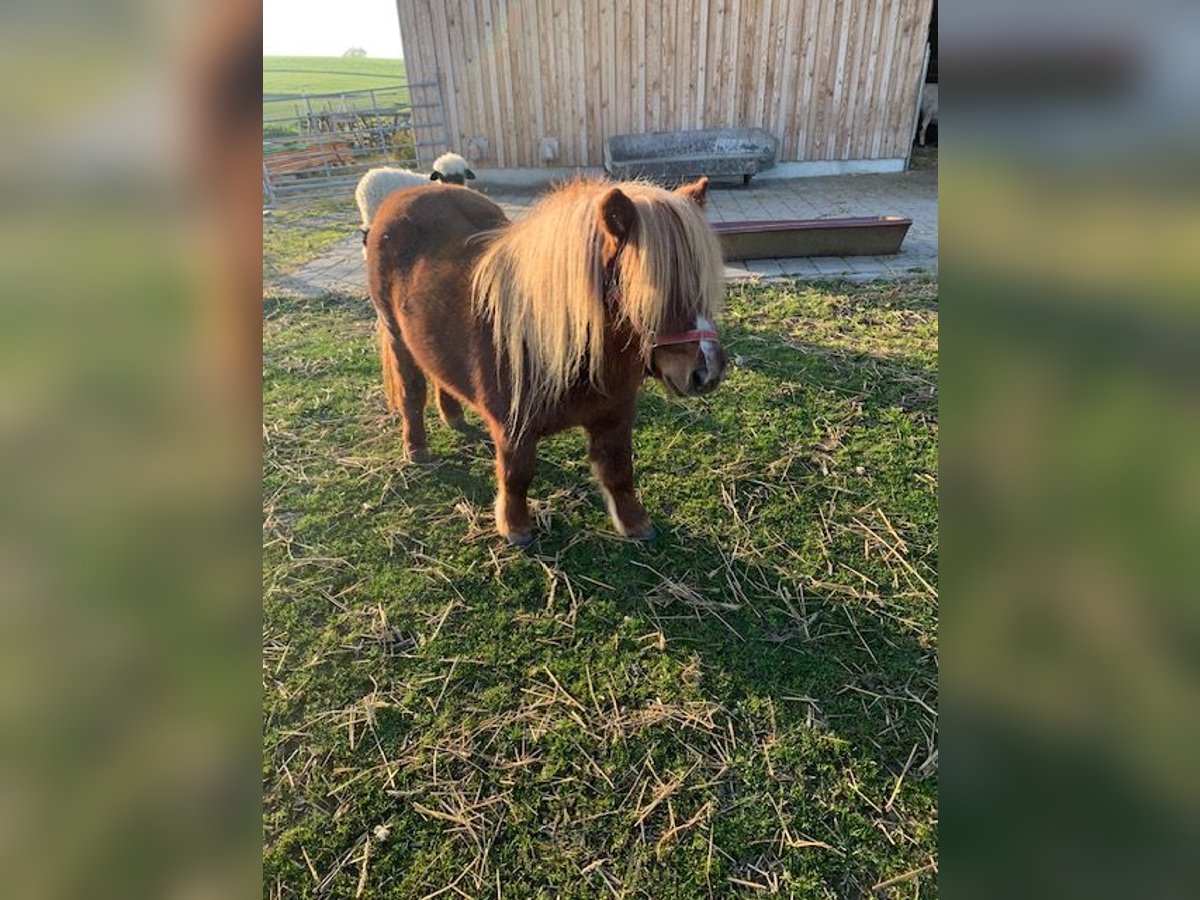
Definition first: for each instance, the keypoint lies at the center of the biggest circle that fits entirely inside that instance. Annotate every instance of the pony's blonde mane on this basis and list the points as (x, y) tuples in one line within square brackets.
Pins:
[(541, 283)]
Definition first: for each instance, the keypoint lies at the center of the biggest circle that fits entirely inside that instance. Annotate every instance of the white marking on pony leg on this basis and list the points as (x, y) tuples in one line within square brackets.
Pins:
[(610, 504)]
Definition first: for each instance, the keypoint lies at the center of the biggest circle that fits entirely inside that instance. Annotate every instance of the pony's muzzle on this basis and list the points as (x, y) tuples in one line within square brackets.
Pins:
[(709, 368)]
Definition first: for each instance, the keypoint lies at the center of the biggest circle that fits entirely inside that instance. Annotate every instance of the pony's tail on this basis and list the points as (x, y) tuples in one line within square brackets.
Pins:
[(392, 388)]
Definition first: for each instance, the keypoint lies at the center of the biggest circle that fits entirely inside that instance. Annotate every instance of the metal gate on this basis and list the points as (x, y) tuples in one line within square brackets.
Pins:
[(319, 145)]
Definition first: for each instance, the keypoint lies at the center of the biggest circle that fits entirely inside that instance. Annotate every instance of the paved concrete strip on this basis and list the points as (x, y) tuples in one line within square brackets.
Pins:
[(913, 194)]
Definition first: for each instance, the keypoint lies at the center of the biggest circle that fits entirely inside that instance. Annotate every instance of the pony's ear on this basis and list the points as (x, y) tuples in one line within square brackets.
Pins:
[(470, 175), (435, 175), (697, 191), (617, 214)]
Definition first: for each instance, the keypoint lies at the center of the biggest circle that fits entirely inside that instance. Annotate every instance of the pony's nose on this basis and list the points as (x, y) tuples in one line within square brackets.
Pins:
[(710, 366)]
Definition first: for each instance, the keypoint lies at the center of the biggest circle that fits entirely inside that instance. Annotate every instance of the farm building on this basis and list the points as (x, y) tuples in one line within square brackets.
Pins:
[(541, 84)]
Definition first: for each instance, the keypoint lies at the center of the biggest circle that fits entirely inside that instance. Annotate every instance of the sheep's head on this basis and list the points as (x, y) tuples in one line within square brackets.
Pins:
[(452, 169)]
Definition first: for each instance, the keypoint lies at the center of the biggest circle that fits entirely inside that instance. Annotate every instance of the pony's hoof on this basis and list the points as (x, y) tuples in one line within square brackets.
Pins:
[(523, 539), (418, 455), (469, 433), (649, 534)]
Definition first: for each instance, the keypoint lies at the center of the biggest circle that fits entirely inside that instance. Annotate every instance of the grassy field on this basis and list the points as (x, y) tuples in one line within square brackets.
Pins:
[(325, 75), (746, 705), (288, 77)]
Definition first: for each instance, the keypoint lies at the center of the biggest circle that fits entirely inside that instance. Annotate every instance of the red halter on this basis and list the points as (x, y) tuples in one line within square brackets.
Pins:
[(683, 337)]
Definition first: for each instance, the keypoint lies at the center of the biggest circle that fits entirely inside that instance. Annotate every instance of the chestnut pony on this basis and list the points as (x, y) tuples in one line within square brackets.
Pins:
[(548, 323)]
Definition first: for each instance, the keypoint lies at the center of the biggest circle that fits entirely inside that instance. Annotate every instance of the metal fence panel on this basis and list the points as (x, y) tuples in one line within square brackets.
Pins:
[(319, 145)]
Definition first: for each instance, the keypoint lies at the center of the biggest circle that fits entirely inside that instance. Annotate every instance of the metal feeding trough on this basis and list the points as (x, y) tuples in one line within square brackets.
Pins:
[(782, 238), (676, 156)]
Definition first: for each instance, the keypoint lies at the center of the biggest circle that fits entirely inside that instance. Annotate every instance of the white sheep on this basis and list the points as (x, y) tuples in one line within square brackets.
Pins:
[(377, 184), (929, 110)]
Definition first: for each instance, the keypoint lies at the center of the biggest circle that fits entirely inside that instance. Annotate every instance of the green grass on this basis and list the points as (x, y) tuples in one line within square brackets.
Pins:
[(748, 704), (303, 231), (324, 75)]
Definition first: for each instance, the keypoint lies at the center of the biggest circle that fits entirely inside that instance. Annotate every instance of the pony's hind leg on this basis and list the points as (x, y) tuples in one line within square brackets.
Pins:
[(449, 409), (610, 450), (451, 412), (404, 384)]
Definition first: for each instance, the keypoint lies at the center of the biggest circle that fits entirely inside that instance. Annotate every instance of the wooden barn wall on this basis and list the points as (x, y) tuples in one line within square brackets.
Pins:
[(831, 80)]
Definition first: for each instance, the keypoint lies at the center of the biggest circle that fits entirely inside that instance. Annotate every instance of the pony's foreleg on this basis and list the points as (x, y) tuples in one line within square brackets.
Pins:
[(610, 450), (514, 474), (404, 384)]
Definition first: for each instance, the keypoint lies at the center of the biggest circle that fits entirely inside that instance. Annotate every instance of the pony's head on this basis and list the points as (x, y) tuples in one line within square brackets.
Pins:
[(665, 271), (600, 274)]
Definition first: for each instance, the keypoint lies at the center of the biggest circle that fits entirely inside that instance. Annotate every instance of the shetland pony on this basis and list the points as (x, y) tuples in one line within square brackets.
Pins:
[(548, 323)]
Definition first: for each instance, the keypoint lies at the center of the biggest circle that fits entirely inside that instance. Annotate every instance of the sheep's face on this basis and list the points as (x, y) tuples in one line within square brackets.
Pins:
[(456, 176)]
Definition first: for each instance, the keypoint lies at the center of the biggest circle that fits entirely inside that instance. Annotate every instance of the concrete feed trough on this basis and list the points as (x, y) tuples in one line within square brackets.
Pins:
[(677, 156)]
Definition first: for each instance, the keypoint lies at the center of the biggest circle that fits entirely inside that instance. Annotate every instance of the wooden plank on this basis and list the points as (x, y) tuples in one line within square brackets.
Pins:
[(774, 115), (791, 89), (914, 39), (810, 72), (608, 74), (732, 44), (699, 116), (623, 66), (750, 68), (889, 45), (593, 79), (461, 96), (555, 91), (531, 81), (421, 65), (468, 45), (683, 77), (826, 62), (718, 73), (900, 114), (584, 103), (671, 65), (564, 54), (654, 66), (497, 133), (638, 110), (835, 116), (512, 17), (546, 68), (856, 67), (512, 124), (688, 26), (866, 120), (764, 67)]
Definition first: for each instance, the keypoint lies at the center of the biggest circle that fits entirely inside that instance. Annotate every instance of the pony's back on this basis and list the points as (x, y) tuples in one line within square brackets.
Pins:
[(431, 221)]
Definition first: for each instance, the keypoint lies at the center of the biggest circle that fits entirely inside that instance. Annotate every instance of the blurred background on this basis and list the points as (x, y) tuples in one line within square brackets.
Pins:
[(130, 608), (1070, 400), (130, 233)]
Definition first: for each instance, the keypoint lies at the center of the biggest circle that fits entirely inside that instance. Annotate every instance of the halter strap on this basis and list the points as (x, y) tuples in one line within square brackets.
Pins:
[(684, 337)]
